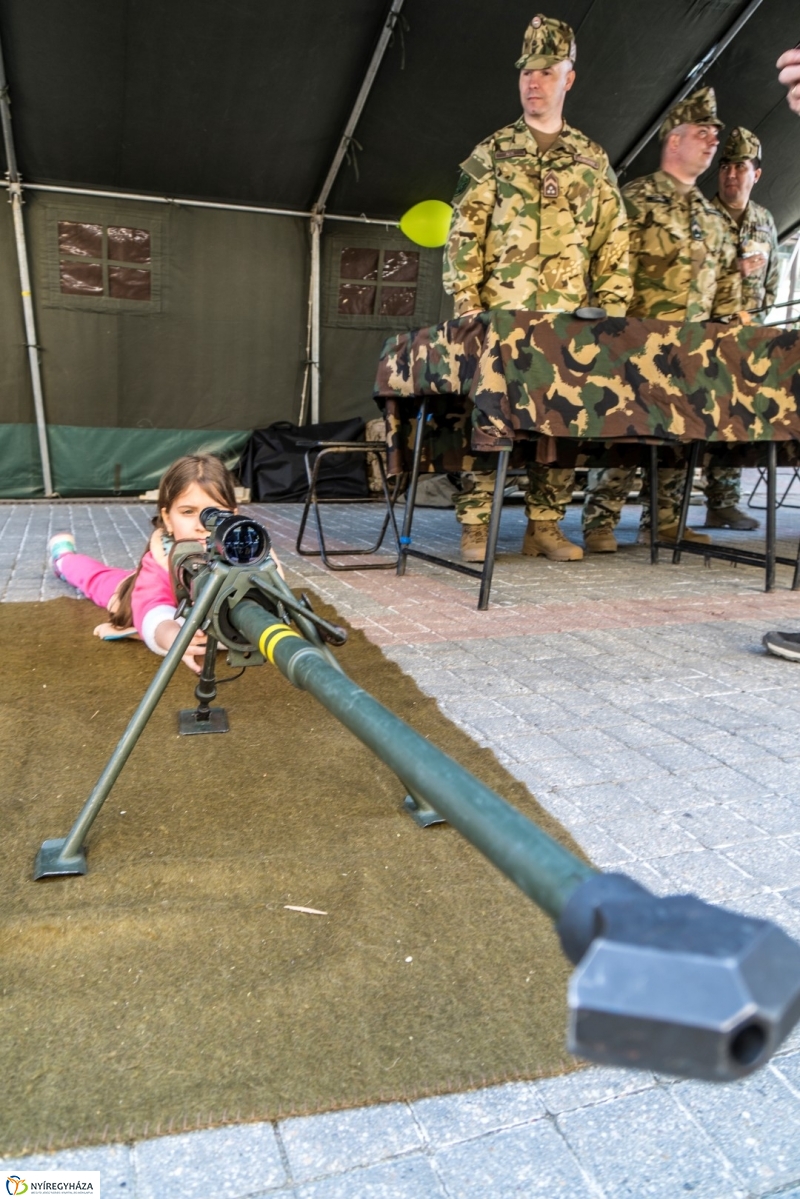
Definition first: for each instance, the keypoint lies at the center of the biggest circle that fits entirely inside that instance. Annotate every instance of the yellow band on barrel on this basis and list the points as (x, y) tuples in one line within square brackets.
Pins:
[(270, 638)]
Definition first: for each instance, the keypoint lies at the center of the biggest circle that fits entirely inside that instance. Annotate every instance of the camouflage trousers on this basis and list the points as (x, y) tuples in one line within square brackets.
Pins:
[(607, 490), (723, 486), (548, 493)]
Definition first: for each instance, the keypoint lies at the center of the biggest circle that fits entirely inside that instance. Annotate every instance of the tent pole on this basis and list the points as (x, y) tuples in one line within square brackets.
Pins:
[(181, 202), (318, 211), (361, 99), (693, 78), (15, 199), (314, 316)]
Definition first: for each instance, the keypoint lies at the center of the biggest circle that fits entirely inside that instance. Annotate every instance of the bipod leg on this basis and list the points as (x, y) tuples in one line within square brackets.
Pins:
[(421, 811), (66, 855), (204, 718)]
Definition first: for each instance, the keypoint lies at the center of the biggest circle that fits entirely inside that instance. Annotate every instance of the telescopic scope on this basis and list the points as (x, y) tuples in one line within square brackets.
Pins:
[(235, 539)]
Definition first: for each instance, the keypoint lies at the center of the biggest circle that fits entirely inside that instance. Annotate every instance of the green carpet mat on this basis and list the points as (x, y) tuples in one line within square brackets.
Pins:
[(170, 988)]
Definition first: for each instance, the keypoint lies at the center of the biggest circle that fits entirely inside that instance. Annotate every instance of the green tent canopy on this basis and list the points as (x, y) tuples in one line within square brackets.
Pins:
[(164, 327)]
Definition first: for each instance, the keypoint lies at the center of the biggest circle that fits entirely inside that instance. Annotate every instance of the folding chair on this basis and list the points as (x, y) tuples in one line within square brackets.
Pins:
[(318, 450)]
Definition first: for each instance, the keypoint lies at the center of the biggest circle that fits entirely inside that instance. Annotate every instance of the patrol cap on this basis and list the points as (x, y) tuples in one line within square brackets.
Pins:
[(546, 42), (698, 109), (741, 145)]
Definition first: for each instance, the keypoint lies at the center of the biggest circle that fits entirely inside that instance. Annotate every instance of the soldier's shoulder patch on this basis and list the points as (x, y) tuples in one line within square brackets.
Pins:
[(476, 168), (464, 181)]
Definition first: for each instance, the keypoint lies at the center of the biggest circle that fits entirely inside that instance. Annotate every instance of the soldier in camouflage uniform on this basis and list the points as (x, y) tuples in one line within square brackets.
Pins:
[(683, 267), (753, 229), (538, 223)]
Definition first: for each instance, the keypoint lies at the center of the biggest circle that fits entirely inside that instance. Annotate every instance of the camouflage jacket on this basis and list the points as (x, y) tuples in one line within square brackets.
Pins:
[(757, 233), (542, 231), (682, 255)]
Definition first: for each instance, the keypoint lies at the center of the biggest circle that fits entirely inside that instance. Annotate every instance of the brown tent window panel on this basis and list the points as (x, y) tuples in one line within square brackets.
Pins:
[(377, 281), (91, 258)]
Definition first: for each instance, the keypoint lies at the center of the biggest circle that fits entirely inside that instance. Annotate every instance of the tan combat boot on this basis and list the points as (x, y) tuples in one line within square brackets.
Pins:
[(600, 541), (545, 537), (473, 542), (670, 533), (729, 518)]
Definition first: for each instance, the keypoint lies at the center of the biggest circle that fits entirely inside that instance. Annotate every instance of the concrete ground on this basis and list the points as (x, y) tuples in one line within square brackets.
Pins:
[(638, 705)]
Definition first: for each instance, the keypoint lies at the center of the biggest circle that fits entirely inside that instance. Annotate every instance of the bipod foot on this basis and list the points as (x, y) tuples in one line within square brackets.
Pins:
[(203, 718), (51, 860), (421, 813), (195, 720)]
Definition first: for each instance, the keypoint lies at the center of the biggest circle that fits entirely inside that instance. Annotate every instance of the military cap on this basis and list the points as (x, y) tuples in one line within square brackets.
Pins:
[(698, 109), (741, 145), (546, 42)]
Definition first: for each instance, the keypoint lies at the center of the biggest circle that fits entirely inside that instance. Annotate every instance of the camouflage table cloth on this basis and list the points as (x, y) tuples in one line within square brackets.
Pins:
[(509, 376)]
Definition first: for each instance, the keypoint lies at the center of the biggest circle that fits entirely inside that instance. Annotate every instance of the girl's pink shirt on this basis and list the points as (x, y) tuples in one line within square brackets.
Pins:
[(152, 589)]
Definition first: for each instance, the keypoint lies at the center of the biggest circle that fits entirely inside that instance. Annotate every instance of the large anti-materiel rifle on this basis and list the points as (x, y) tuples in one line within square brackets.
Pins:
[(671, 984)]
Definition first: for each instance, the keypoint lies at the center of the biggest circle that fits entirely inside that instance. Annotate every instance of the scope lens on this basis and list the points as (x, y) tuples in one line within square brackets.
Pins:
[(244, 543)]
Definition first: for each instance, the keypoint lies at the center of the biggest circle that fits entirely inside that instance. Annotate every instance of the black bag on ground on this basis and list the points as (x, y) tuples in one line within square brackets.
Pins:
[(272, 464)]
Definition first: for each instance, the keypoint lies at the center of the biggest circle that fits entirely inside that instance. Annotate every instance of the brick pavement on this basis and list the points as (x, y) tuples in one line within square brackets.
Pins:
[(637, 704)]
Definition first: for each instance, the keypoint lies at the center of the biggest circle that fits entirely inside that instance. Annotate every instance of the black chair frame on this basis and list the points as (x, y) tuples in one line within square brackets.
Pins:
[(318, 450)]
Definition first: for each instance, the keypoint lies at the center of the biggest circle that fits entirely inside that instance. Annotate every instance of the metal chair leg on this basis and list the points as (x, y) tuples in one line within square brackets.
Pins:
[(654, 505), (411, 494), (494, 529), (313, 503), (772, 480), (694, 455)]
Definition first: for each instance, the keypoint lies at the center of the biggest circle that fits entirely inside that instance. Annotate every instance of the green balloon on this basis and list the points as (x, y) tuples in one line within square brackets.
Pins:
[(427, 223)]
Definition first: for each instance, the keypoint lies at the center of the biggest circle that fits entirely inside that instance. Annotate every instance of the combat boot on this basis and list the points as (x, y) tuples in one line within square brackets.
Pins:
[(545, 537), (600, 541), (473, 542), (729, 518), (670, 533)]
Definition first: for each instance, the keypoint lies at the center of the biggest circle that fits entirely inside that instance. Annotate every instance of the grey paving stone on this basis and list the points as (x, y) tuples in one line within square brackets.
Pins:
[(788, 1067), (649, 836), (726, 784), (709, 875), (680, 757), (530, 745), (665, 793), (623, 766), (449, 1119), (564, 772), (229, 1162), (411, 1178), (597, 1084), (716, 826), (756, 1124), (775, 814), (645, 1146), (771, 861), (530, 1161), (337, 1141), (603, 850), (115, 1163), (777, 775), (598, 801)]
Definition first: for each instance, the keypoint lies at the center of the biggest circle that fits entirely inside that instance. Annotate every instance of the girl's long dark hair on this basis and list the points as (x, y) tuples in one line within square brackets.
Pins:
[(213, 476)]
